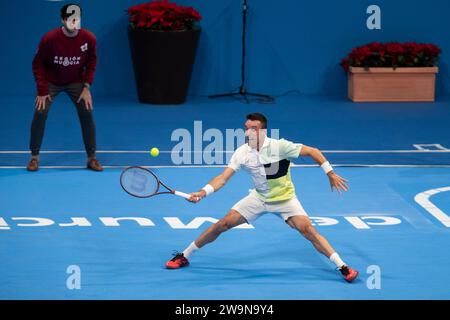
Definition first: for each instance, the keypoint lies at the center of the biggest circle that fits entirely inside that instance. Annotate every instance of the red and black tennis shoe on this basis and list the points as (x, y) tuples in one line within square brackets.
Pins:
[(348, 273), (178, 261)]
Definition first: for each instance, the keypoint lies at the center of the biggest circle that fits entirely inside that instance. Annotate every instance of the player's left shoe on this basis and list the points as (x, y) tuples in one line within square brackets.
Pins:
[(349, 273)]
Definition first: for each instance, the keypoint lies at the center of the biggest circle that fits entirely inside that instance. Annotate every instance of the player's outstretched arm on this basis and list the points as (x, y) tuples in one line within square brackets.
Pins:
[(335, 181), (213, 186)]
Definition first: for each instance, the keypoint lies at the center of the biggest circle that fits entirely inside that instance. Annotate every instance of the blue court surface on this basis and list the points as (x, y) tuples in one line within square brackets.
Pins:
[(394, 219), (70, 233)]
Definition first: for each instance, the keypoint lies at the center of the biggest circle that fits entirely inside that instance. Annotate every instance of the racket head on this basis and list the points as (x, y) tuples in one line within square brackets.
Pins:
[(139, 182)]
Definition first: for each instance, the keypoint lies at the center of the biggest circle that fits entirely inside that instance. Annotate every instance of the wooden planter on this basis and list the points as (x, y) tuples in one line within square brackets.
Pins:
[(391, 85)]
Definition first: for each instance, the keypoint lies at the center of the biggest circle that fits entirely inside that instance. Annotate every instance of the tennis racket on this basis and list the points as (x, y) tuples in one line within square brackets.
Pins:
[(143, 183)]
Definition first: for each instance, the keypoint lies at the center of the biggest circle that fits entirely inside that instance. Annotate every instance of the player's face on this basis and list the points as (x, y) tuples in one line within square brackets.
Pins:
[(72, 24), (254, 134)]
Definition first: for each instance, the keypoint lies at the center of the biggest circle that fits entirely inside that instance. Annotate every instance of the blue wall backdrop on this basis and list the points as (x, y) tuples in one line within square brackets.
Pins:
[(292, 44)]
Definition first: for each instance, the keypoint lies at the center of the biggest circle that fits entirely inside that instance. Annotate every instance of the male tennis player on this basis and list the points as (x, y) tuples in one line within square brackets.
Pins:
[(267, 161), (65, 62)]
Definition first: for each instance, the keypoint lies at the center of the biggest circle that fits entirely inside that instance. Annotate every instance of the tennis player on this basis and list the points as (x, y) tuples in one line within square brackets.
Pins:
[(65, 62), (267, 161)]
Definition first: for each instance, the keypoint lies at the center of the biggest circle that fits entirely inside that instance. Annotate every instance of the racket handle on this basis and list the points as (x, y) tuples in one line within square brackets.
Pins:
[(182, 194)]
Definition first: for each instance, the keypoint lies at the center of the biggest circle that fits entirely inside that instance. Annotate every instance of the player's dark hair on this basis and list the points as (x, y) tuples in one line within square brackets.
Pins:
[(64, 14), (258, 116)]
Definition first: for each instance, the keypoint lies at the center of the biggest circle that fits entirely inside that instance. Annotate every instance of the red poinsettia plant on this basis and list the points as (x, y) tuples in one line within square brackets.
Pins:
[(392, 55), (163, 16)]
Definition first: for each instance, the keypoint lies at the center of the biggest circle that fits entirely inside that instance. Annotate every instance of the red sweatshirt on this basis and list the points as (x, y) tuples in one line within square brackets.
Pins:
[(61, 60)]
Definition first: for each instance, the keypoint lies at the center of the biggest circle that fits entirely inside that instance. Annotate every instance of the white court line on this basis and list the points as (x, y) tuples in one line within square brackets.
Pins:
[(385, 151), (224, 166), (77, 151), (423, 200), (219, 151)]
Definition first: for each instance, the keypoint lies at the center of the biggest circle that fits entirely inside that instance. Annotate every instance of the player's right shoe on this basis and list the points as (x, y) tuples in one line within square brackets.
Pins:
[(178, 261)]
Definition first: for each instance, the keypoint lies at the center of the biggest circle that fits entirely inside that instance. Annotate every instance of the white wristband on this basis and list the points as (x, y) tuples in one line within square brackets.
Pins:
[(208, 189), (326, 166)]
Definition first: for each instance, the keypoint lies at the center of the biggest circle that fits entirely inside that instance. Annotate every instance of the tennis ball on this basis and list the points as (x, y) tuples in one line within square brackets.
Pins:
[(154, 152)]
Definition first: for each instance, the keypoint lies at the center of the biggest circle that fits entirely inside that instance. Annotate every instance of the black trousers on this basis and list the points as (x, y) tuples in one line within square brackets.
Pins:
[(87, 123)]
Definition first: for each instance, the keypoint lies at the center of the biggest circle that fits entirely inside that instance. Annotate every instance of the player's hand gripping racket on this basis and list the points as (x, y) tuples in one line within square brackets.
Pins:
[(142, 183)]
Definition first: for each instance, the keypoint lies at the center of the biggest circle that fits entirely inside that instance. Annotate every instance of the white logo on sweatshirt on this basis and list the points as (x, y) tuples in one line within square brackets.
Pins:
[(66, 61), (84, 47)]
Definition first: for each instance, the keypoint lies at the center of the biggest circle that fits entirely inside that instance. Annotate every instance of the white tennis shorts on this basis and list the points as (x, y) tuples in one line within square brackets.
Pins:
[(251, 208)]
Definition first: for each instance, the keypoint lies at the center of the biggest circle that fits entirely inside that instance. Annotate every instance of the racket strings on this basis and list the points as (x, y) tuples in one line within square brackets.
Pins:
[(139, 182)]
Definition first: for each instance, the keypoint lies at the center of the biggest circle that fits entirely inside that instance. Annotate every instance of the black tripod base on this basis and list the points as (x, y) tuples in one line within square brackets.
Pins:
[(244, 93)]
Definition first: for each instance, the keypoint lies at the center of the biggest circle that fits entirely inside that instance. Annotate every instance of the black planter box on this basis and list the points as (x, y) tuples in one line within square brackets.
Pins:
[(162, 62)]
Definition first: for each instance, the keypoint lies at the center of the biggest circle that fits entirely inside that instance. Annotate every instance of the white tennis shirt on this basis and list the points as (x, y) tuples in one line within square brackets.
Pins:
[(269, 167)]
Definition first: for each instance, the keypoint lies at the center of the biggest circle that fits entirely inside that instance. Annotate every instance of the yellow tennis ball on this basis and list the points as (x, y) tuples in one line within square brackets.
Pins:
[(154, 152)]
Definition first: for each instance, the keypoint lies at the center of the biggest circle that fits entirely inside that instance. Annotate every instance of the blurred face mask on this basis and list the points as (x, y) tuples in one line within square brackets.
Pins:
[(73, 22)]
